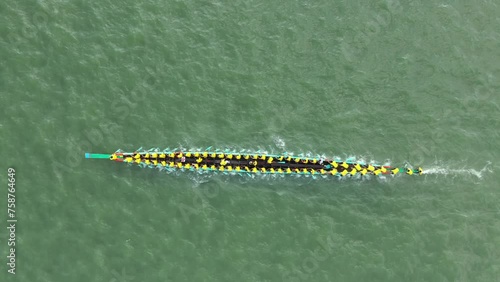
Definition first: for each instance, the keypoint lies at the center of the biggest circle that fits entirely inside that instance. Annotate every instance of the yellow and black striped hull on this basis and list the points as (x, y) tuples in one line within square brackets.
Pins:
[(251, 163)]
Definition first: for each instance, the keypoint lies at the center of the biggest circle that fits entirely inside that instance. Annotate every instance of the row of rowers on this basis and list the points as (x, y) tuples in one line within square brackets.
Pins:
[(333, 168), (200, 156)]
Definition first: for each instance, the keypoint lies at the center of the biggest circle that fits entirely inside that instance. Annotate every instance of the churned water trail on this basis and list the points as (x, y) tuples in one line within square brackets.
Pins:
[(447, 171)]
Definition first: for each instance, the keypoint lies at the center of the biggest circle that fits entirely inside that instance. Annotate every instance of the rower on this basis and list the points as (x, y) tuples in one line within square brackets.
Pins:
[(263, 157), (409, 171), (213, 155), (288, 159), (212, 167), (164, 163), (155, 162), (154, 155), (113, 157), (229, 168), (371, 168), (420, 171), (162, 156), (334, 172), (383, 169), (272, 170), (205, 154), (221, 168), (221, 155), (313, 171), (395, 171), (288, 170), (171, 155), (377, 172), (128, 159), (146, 156), (179, 165), (344, 172), (322, 171), (280, 158), (254, 169), (199, 160), (358, 167), (196, 166), (178, 155), (345, 165), (305, 170), (297, 160), (280, 170), (334, 164), (188, 154), (263, 169), (364, 171), (196, 154), (237, 168), (146, 161), (313, 161), (230, 156), (137, 156), (138, 161), (246, 157), (238, 157), (187, 166), (353, 171), (223, 162), (171, 164), (204, 167), (255, 157), (270, 160)]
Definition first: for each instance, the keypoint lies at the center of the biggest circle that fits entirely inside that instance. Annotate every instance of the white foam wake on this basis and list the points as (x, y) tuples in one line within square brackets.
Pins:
[(462, 171)]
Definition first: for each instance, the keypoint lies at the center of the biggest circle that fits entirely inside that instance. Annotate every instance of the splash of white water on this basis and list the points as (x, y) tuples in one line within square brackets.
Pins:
[(279, 142)]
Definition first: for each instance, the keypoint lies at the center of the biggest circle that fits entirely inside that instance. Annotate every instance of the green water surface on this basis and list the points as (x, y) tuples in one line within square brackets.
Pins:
[(400, 81)]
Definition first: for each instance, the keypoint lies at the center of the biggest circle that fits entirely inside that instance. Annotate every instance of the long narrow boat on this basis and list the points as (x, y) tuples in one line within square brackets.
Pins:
[(257, 163)]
